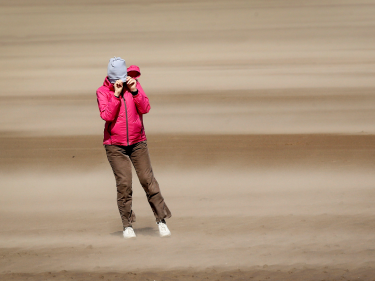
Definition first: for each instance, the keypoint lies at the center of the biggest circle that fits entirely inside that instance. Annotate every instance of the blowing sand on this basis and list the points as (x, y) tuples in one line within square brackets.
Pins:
[(261, 135)]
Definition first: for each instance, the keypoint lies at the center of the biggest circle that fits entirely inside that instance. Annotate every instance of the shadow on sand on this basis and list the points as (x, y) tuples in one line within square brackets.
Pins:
[(144, 231)]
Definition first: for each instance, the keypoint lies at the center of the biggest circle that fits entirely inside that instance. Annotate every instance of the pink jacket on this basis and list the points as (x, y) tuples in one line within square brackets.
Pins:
[(123, 115)]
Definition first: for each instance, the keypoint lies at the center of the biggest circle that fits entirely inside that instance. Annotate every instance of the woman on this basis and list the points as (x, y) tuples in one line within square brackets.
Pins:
[(122, 102)]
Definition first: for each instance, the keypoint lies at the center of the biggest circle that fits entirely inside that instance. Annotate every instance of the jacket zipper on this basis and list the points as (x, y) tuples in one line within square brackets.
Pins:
[(127, 127)]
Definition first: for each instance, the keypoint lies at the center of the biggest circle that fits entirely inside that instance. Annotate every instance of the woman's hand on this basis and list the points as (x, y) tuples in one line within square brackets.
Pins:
[(118, 87), (131, 83)]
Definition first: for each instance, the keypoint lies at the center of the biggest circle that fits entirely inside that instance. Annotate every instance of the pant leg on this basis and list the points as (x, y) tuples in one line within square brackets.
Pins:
[(142, 164), (121, 166)]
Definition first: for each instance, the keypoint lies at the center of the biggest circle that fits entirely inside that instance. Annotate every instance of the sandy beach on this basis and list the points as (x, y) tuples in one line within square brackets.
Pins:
[(261, 136)]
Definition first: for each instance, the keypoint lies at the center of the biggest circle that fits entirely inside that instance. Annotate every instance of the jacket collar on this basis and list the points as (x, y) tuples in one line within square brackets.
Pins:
[(108, 84)]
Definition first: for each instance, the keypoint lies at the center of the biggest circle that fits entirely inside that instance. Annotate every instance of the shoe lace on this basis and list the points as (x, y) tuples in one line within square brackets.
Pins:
[(130, 230), (163, 227)]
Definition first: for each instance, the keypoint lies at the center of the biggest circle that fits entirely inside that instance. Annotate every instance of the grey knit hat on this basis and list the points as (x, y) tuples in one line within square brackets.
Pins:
[(117, 70)]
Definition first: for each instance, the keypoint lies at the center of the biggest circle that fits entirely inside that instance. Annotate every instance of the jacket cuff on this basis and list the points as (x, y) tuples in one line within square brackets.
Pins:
[(134, 93)]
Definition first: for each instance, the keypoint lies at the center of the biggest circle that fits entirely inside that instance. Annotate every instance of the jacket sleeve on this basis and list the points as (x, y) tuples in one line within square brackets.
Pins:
[(141, 100), (108, 107)]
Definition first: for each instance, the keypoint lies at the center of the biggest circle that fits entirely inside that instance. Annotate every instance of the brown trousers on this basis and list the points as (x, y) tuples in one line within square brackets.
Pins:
[(120, 158)]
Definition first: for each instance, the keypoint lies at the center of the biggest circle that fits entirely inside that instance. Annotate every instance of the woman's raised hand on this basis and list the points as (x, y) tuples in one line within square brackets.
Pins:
[(131, 83), (118, 87)]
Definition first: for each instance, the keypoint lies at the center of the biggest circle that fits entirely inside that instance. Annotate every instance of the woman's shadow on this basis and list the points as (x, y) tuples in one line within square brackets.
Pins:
[(144, 231)]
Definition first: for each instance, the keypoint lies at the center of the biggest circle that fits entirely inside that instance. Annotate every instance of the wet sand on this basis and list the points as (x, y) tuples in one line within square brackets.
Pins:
[(261, 135)]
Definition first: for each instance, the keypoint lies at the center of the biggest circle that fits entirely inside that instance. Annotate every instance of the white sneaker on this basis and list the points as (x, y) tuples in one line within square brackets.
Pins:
[(129, 232), (163, 230)]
